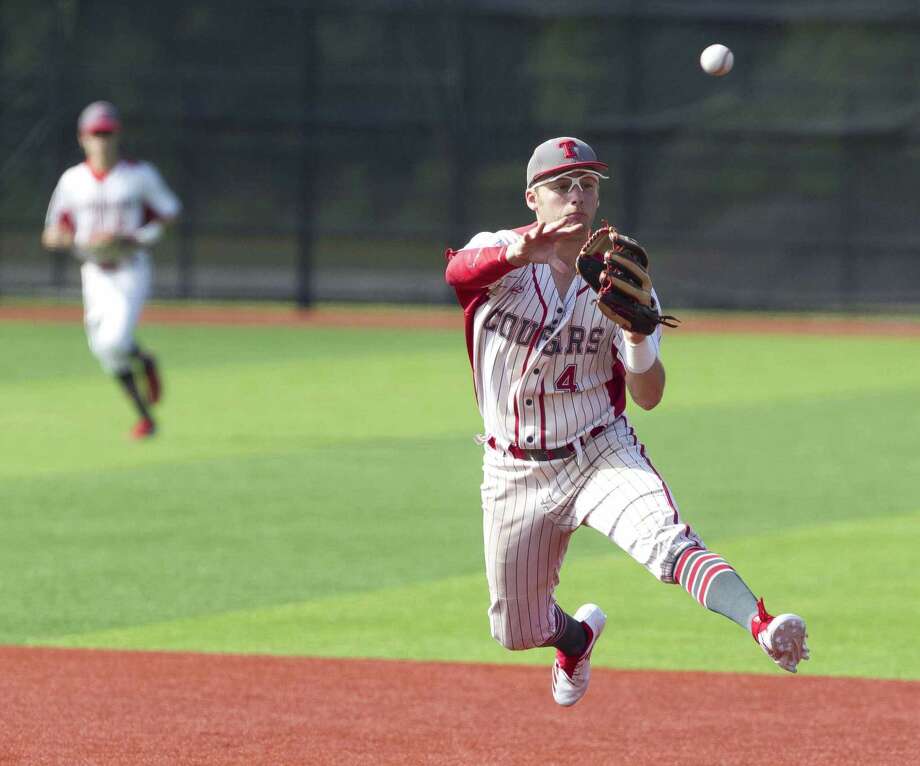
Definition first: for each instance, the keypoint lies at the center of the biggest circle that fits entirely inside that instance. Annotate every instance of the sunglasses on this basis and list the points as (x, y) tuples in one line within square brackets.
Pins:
[(102, 133), (564, 184)]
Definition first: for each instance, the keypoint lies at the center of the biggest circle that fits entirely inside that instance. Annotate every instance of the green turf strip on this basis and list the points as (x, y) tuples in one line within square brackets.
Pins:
[(171, 539), (321, 467)]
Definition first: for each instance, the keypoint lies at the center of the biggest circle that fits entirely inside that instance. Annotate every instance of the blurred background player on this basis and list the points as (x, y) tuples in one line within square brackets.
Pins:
[(109, 211)]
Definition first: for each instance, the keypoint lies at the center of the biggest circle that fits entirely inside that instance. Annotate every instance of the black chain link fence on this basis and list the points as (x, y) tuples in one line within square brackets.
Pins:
[(333, 150)]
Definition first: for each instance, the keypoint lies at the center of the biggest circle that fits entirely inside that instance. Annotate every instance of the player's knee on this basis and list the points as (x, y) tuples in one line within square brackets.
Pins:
[(515, 636), (661, 567), (121, 344), (113, 358), (513, 642), (663, 556), (113, 350)]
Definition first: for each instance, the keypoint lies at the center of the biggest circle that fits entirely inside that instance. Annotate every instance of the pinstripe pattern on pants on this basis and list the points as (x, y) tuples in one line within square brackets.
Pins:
[(531, 509)]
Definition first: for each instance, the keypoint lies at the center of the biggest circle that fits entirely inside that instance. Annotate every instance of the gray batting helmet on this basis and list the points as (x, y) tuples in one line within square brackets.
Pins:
[(559, 155)]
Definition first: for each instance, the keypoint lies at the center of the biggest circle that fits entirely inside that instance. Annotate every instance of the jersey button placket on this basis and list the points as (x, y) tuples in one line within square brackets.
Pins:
[(555, 321), (529, 403)]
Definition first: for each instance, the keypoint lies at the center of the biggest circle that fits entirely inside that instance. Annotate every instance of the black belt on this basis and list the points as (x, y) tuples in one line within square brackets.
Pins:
[(557, 453)]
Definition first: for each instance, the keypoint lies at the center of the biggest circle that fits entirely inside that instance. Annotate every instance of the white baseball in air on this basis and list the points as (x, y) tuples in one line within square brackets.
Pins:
[(717, 60)]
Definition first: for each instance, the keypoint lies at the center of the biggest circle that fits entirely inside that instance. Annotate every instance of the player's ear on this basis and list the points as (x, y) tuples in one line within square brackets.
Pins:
[(530, 198)]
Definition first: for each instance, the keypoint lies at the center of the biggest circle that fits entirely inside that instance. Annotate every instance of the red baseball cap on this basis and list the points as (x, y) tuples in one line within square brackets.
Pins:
[(559, 155), (99, 116)]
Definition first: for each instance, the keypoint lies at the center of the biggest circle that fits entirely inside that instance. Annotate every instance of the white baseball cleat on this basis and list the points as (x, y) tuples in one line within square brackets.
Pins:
[(781, 637), (572, 674)]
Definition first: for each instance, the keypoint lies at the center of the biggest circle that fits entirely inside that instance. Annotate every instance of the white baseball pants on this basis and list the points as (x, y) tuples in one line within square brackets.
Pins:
[(112, 304), (531, 509)]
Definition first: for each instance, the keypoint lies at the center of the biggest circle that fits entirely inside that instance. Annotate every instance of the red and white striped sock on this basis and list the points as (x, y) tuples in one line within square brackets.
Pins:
[(713, 582)]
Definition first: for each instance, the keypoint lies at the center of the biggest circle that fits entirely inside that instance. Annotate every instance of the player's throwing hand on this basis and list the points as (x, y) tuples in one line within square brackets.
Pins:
[(57, 238), (540, 244)]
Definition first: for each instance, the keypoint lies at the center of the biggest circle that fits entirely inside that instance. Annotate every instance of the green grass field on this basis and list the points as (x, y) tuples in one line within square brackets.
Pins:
[(315, 492)]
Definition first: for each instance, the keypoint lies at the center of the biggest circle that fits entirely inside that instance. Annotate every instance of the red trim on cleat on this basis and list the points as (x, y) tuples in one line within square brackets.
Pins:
[(761, 620), (143, 428), (568, 662)]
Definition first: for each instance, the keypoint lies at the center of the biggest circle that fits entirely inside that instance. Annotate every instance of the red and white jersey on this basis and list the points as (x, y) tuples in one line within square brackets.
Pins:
[(546, 367), (119, 202)]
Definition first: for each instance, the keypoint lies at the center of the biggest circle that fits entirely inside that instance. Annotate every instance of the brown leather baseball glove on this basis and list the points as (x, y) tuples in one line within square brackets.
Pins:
[(616, 268)]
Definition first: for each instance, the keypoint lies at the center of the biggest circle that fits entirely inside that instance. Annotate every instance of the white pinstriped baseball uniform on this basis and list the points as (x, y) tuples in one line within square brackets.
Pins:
[(119, 202), (548, 375)]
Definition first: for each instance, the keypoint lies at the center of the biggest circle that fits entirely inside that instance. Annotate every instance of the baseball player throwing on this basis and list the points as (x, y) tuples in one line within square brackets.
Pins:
[(109, 211), (551, 373)]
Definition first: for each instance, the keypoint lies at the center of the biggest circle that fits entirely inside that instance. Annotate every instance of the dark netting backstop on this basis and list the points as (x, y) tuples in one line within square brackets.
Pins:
[(333, 150)]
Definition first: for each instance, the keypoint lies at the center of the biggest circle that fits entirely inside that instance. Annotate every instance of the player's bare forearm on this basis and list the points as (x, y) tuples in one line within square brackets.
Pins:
[(647, 388), (151, 232), (57, 238)]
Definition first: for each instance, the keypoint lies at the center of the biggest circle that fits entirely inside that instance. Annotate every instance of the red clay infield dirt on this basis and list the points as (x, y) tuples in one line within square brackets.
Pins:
[(435, 319), (69, 706)]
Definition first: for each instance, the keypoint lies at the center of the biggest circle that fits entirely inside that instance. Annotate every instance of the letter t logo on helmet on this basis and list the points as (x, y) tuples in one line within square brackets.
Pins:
[(568, 148), (561, 155)]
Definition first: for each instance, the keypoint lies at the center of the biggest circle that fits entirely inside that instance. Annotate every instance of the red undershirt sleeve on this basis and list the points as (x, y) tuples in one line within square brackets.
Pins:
[(476, 267)]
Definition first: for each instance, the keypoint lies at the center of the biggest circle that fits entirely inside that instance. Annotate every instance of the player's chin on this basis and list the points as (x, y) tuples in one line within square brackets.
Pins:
[(579, 225)]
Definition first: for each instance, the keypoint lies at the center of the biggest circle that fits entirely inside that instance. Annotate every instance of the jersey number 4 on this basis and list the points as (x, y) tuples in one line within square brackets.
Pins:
[(566, 381)]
